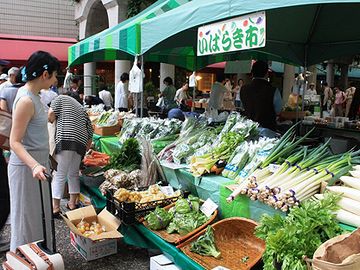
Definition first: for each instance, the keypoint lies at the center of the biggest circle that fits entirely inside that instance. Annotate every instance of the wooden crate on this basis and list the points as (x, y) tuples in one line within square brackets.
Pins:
[(107, 131)]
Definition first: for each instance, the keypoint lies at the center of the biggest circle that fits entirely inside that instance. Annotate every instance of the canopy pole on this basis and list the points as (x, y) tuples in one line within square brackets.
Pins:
[(142, 87), (194, 88)]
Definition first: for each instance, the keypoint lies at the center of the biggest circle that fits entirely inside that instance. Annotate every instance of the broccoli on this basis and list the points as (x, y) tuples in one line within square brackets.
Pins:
[(205, 244)]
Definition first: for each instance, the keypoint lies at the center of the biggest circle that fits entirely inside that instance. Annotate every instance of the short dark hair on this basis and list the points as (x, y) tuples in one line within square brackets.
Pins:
[(168, 80), (240, 80), (220, 77), (75, 80), (259, 69), (37, 63), (325, 84), (74, 95), (124, 77)]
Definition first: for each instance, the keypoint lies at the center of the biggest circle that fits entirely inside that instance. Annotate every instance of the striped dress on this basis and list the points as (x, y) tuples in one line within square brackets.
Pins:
[(73, 126)]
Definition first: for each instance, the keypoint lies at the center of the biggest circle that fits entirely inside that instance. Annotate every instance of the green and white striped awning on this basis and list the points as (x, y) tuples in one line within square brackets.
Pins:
[(121, 42)]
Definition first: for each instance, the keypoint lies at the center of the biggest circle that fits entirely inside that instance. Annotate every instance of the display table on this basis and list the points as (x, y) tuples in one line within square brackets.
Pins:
[(242, 206), (204, 187), (342, 139), (139, 235)]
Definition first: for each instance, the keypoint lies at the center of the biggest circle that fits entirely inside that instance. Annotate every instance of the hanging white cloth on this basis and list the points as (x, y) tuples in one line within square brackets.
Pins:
[(135, 80), (67, 80), (192, 80)]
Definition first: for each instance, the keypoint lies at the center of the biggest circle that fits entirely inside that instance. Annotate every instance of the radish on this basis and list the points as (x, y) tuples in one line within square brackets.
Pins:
[(355, 173), (345, 204), (351, 193), (351, 181), (348, 218)]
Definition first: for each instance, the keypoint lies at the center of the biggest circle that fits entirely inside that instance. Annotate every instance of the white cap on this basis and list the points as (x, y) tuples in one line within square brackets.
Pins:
[(3, 77), (13, 70)]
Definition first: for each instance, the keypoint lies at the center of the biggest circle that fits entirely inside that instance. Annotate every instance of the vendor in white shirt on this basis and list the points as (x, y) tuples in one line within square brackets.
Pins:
[(122, 93), (311, 91), (106, 96), (181, 94)]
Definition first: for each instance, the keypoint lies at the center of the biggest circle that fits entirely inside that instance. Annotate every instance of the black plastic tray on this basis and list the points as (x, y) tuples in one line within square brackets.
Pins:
[(132, 212)]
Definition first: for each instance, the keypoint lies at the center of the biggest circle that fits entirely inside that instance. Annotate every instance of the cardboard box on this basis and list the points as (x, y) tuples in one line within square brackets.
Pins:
[(107, 131), (161, 262), (92, 250), (94, 246)]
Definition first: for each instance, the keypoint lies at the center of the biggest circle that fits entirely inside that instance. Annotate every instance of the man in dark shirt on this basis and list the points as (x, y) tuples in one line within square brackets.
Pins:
[(261, 101)]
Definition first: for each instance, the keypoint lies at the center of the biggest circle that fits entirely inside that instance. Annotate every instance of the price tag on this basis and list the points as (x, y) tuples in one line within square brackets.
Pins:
[(273, 167), (167, 190), (208, 207)]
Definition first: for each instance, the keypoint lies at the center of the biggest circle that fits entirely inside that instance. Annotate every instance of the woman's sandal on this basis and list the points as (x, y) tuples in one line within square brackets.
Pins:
[(56, 214), (68, 207)]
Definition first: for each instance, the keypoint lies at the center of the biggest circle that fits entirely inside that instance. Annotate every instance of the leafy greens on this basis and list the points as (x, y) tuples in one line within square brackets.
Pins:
[(300, 233)]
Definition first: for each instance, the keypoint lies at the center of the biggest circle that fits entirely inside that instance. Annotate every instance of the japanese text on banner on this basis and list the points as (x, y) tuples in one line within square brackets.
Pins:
[(242, 33)]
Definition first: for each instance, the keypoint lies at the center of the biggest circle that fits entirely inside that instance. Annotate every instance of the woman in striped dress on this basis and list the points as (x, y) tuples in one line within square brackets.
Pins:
[(72, 139)]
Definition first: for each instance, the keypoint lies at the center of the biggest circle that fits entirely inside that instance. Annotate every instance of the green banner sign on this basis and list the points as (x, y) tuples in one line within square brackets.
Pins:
[(242, 33)]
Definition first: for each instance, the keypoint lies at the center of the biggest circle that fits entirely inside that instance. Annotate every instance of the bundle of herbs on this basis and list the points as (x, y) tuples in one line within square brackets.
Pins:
[(298, 234), (127, 158)]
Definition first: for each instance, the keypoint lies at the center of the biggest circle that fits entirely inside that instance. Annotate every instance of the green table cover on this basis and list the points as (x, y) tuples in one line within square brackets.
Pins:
[(205, 186), (347, 227), (238, 208), (106, 144), (109, 144), (97, 199), (242, 206)]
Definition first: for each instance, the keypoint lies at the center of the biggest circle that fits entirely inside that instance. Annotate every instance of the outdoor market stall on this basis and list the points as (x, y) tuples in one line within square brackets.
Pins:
[(221, 188), (255, 178)]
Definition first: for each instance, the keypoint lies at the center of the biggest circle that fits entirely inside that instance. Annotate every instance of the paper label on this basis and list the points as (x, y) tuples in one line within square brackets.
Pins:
[(208, 207), (231, 167), (167, 190), (273, 167)]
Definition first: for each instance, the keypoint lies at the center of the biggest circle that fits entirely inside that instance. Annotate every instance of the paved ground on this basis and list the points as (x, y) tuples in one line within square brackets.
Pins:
[(128, 257)]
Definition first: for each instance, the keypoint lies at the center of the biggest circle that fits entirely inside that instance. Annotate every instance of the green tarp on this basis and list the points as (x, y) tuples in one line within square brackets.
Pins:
[(302, 32), (121, 41), (106, 144), (110, 144)]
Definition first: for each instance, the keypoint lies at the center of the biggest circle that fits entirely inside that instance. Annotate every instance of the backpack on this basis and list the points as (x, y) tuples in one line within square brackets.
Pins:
[(5, 128)]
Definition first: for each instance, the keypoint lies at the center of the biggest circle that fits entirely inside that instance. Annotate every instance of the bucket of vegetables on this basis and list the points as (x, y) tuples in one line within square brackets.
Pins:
[(230, 243)]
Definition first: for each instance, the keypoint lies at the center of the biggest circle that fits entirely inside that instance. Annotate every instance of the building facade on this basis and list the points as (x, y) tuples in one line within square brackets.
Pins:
[(27, 26)]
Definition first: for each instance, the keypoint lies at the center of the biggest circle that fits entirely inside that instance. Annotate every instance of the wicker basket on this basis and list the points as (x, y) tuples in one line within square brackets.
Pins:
[(176, 238), (240, 248)]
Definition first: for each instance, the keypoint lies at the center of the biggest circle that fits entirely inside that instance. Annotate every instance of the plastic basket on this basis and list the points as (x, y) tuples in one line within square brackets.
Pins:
[(234, 237)]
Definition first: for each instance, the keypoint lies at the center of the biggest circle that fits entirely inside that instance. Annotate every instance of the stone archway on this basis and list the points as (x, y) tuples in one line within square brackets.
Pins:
[(97, 19)]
